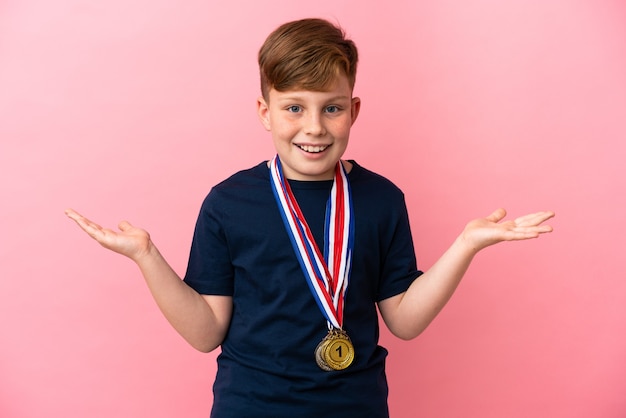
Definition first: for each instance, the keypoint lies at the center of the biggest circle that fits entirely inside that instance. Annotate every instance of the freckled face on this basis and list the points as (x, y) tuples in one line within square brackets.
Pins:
[(310, 129)]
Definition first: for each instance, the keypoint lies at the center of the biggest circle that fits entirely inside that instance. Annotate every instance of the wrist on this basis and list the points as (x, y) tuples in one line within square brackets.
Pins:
[(466, 245), (145, 255)]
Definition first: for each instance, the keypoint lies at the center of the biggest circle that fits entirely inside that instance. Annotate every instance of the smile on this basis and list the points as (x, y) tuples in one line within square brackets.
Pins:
[(313, 149)]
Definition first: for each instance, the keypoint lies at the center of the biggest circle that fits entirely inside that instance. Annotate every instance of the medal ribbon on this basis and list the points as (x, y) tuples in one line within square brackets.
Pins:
[(327, 276)]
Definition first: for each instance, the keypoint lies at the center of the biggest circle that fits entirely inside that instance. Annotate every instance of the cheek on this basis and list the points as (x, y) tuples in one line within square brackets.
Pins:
[(341, 129), (284, 128), (282, 133)]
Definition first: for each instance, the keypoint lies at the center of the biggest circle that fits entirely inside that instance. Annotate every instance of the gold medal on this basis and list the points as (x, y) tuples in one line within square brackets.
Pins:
[(335, 351), (338, 351)]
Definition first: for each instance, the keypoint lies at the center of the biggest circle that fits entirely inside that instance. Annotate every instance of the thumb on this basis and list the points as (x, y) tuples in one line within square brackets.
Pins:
[(125, 226), (497, 215)]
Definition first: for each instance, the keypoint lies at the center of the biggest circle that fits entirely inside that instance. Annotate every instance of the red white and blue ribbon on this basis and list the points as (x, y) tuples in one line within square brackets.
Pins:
[(327, 275)]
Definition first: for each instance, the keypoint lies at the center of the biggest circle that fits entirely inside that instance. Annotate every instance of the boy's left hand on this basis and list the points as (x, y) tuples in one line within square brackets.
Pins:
[(481, 233)]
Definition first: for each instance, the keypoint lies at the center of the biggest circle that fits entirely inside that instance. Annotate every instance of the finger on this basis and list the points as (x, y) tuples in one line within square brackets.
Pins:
[(534, 219), (125, 226), (78, 218), (522, 235), (91, 228), (497, 215), (525, 232), (72, 214)]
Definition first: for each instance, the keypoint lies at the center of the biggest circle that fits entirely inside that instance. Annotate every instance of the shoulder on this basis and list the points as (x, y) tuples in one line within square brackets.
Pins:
[(248, 177), (240, 187), (372, 184)]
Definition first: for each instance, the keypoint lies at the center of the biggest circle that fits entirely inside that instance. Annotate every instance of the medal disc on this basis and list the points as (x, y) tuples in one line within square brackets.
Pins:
[(338, 351), (319, 355)]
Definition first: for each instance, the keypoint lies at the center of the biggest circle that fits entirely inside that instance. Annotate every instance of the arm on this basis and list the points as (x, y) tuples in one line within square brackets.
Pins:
[(409, 313), (202, 320)]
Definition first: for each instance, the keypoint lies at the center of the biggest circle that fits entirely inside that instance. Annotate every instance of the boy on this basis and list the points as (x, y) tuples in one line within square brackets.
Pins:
[(290, 258)]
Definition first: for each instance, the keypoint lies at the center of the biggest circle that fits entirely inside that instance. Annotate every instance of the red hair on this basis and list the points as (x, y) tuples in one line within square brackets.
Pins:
[(306, 54)]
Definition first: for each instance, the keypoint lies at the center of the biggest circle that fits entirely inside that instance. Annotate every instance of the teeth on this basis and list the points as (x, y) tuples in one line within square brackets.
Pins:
[(311, 148)]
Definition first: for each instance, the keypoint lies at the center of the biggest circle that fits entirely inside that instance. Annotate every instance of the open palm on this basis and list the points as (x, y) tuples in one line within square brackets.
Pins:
[(483, 232), (129, 241)]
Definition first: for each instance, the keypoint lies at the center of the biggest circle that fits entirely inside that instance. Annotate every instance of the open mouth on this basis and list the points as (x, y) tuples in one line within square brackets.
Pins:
[(313, 148)]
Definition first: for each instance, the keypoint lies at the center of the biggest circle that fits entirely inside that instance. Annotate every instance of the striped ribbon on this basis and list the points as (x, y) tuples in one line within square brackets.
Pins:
[(327, 276)]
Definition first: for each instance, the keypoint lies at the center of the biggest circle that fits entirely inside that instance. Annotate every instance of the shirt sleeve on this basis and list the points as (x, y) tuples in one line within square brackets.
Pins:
[(399, 264), (210, 270)]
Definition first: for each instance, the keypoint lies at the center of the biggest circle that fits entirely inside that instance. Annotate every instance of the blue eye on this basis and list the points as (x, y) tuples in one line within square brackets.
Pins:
[(293, 108), (332, 109)]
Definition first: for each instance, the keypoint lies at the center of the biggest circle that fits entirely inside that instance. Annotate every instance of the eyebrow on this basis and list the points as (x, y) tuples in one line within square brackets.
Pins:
[(298, 98)]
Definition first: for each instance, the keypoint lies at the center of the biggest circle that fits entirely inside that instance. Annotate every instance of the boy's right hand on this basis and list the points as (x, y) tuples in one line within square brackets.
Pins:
[(130, 241)]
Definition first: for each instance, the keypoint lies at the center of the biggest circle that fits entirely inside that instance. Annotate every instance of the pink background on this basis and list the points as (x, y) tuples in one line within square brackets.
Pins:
[(133, 109)]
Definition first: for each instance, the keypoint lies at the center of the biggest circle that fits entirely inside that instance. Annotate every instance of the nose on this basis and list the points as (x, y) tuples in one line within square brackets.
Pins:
[(314, 125)]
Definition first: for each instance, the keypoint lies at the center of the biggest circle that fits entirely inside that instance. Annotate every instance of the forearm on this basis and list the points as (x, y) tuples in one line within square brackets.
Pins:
[(185, 309), (408, 314)]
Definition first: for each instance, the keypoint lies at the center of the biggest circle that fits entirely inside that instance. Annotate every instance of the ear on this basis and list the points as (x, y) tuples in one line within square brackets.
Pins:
[(263, 111), (355, 108)]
